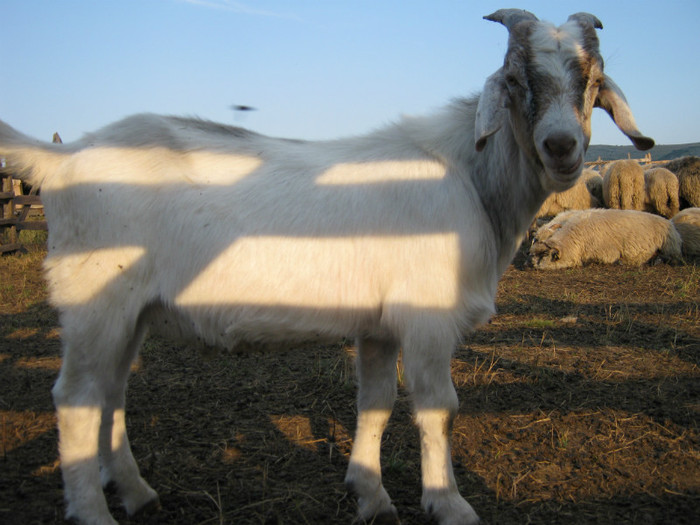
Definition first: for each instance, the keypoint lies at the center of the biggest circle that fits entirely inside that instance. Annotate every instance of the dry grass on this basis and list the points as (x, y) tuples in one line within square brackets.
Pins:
[(580, 403)]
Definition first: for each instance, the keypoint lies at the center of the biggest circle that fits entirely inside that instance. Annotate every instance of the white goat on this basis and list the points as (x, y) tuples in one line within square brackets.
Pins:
[(221, 236)]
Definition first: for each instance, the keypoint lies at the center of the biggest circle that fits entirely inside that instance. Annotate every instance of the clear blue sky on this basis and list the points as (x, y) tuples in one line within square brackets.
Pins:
[(316, 69)]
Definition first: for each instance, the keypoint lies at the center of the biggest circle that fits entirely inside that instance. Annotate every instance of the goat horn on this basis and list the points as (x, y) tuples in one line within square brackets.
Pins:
[(511, 17), (586, 19)]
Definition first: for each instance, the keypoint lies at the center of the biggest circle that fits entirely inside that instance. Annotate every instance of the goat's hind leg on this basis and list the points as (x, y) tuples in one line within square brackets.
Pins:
[(89, 397), (376, 372), (118, 466)]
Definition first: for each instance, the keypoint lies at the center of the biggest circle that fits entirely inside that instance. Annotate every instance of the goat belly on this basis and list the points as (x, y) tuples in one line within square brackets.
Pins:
[(245, 329)]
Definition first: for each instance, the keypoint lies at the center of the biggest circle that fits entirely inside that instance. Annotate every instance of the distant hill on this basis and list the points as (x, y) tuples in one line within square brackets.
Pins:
[(658, 152)]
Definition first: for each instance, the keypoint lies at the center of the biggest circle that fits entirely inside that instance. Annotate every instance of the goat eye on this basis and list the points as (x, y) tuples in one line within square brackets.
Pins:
[(512, 82), (555, 256)]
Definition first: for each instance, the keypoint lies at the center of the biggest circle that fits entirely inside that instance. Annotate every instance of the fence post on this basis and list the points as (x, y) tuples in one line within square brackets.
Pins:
[(8, 220), (10, 223)]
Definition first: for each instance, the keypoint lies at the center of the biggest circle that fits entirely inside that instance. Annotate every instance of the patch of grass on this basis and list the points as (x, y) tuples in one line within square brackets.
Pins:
[(21, 279), (619, 316), (688, 286), (33, 237), (539, 324)]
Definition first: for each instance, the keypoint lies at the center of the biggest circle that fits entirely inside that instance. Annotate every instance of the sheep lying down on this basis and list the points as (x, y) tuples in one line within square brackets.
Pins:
[(576, 237), (687, 223)]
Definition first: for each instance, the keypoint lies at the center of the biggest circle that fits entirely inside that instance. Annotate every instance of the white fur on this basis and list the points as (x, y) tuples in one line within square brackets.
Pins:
[(224, 237)]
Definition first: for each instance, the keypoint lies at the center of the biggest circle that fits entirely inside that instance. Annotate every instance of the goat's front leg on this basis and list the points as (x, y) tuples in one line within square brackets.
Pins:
[(427, 373), (89, 399), (376, 372), (78, 400)]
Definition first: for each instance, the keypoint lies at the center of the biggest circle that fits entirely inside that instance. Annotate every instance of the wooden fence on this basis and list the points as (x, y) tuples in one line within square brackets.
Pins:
[(646, 161), (17, 208)]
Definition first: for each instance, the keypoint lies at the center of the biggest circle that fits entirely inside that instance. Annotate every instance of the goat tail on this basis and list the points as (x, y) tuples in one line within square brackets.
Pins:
[(26, 158)]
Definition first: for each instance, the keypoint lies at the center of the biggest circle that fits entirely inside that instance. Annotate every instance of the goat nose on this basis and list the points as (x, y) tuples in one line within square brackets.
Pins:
[(559, 145)]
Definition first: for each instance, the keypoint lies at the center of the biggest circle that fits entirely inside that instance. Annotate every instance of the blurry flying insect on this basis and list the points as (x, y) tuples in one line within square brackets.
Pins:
[(237, 107), (241, 110)]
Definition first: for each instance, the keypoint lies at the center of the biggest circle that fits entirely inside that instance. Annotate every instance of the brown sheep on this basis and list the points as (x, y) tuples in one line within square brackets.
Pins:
[(687, 169), (578, 197), (623, 185), (687, 223), (661, 192), (594, 182)]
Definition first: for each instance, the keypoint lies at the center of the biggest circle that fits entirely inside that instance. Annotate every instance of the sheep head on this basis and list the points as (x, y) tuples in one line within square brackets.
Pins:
[(544, 255), (551, 79)]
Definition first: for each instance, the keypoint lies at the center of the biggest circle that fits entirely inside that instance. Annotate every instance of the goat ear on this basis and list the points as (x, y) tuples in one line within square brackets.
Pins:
[(586, 19), (490, 110), (511, 17), (612, 100)]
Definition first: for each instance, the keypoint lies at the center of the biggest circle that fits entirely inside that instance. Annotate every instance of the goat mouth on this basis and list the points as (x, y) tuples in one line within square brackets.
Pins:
[(572, 168), (566, 172)]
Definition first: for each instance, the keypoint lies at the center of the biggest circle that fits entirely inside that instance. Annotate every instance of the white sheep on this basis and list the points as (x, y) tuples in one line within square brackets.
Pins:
[(687, 169), (661, 188), (574, 238), (222, 236), (687, 222), (623, 185), (578, 197)]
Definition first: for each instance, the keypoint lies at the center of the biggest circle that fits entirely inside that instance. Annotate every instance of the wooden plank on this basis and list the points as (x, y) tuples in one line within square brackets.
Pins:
[(32, 225), (10, 247), (27, 199), (6, 195)]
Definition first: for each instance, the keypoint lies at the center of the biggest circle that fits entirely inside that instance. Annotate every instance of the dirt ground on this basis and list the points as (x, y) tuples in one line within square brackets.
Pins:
[(579, 403)]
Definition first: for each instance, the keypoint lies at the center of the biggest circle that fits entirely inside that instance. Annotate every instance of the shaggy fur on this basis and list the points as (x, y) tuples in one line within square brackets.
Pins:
[(580, 196), (687, 223), (687, 169), (661, 187), (594, 183), (574, 238), (623, 185), (225, 237)]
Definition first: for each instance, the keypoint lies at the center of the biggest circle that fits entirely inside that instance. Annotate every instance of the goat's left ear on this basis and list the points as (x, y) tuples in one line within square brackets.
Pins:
[(612, 100), (490, 111)]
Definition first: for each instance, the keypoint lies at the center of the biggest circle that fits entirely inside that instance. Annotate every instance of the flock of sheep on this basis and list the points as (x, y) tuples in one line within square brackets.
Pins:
[(626, 213)]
